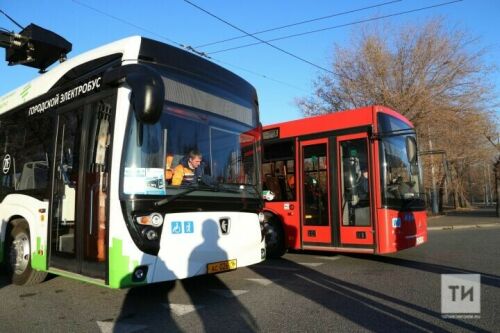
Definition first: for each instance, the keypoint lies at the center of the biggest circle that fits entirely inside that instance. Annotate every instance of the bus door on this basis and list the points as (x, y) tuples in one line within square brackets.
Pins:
[(356, 226), (316, 227), (78, 232)]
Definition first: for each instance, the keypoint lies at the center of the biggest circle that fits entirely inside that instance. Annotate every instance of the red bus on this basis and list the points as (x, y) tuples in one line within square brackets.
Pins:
[(348, 181)]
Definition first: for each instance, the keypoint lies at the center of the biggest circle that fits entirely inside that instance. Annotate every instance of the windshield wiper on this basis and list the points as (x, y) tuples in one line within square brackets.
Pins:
[(217, 187), (238, 188), (176, 196), (194, 187), (205, 186)]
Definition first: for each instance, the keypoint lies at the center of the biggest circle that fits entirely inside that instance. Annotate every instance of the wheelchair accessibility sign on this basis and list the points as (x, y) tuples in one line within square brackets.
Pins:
[(396, 222), (179, 227)]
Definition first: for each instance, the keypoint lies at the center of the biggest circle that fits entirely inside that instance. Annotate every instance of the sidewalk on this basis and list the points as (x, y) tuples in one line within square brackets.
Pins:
[(462, 219)]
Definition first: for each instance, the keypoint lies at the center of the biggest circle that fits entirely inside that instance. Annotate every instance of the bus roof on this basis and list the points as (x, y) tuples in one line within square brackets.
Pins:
[(364, 116), (129, 48)]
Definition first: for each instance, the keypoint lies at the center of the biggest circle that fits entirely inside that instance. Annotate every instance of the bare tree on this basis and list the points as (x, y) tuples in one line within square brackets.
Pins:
[(434, 76), (495, 141)]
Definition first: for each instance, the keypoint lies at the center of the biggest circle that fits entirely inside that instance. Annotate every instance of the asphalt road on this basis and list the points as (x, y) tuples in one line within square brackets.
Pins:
[(302, 292)]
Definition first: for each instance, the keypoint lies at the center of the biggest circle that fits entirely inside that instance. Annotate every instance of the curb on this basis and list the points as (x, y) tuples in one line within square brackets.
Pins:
[(469, 226)]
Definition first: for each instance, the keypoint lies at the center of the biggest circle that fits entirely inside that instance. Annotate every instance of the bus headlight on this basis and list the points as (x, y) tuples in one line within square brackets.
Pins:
[(261, 217), (150, 234), (154, 219)]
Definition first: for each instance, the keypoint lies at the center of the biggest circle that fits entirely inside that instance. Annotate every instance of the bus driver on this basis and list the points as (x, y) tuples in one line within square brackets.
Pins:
[(188, 171)]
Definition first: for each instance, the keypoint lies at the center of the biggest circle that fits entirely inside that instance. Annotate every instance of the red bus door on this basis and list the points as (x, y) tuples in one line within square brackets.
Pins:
[(356, 223), (316, 227)]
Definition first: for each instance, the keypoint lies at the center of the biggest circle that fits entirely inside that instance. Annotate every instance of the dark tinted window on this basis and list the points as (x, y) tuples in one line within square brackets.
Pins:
[(279, 150), (401, 180), (387, 123), (25, 152), (279, 171)]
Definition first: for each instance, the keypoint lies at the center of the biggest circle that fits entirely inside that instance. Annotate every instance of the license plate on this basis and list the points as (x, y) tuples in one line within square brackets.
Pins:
[(420, 240), (222, 266)]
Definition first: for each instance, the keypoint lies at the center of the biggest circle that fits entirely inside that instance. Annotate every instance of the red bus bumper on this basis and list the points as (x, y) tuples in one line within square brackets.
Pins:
[(400, 230)]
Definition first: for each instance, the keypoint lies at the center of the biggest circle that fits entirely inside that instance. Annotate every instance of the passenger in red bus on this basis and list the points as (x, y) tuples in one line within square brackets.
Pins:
[(364, 191), (364, 181), (189, 170), (291, 182), (312, 192)]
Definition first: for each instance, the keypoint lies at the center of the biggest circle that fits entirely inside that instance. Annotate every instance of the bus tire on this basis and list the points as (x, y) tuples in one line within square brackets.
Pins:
[(18, 256), (275, 237)]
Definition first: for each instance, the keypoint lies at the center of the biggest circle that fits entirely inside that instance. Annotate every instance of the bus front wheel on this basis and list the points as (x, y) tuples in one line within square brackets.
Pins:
[(19, 256), (275, 237)]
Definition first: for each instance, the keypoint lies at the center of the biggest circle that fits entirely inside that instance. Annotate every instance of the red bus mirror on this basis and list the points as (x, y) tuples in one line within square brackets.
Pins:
[(411, 149)]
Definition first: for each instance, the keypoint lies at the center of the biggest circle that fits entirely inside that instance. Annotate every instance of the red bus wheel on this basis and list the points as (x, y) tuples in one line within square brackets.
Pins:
[(275, 238)]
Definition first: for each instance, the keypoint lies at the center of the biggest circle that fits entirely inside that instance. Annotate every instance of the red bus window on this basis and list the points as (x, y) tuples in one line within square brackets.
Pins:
[(279, 170), (315, 185), (355, 183)]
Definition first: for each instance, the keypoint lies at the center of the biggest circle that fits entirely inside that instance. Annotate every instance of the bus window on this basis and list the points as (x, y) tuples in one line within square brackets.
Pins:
[(279, 170), (315, 185), (355, 189), (66, 185), (400, 176), (27, 150)]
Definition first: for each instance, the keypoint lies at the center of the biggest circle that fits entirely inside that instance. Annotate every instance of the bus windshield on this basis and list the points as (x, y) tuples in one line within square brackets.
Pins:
[(401, 180), (157, 156)]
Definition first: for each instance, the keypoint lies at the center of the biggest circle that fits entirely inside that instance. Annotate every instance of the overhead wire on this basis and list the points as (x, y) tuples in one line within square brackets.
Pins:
[(261, 75), (11, 19), (187, 47), (128, 23), (335, 27), (300, 23), (257, 38)]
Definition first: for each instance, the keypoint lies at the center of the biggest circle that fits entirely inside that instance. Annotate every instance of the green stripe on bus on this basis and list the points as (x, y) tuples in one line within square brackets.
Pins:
[(120, 267), (25, 91), (39, 256)]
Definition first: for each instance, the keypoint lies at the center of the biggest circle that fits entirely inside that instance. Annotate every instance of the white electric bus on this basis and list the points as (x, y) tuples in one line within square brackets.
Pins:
[(87, 152)]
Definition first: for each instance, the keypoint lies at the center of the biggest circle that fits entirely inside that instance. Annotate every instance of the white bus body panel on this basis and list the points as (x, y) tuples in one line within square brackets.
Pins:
[(118, 231), (34, 211), (128, 47), (190, 241)]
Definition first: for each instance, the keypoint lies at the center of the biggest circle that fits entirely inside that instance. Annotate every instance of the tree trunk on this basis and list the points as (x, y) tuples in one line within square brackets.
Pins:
[(456, 204), (497, 183), (441, 193), (498, 194)]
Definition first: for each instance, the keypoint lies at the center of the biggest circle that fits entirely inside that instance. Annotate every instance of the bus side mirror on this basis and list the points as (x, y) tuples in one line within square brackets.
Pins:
[(411, 149), (148, 90)]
